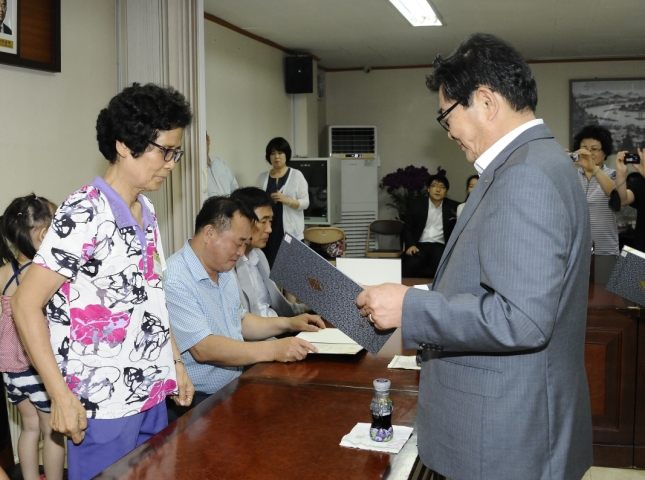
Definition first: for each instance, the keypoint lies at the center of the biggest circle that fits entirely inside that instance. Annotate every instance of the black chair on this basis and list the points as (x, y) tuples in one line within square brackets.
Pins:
[(387, 228)]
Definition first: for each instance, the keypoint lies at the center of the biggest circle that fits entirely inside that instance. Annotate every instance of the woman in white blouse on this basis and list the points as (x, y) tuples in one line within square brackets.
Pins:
[(290, 192)]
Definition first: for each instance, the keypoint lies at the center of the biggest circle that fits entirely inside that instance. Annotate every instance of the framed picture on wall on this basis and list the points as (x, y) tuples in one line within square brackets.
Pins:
[(30, 34), (9, 26), (616, 104)]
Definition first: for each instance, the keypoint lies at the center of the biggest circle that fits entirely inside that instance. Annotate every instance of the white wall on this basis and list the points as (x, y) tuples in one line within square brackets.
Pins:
[(246, 103), (404, 111), (47, 139)]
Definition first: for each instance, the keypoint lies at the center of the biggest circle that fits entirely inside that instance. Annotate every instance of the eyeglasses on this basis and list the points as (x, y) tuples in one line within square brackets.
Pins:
[(593, 149), (440, 186), (169, 153), (441, 118)]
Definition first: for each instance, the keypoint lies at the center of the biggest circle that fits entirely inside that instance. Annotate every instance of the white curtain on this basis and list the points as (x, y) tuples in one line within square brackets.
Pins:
[(162, 41)]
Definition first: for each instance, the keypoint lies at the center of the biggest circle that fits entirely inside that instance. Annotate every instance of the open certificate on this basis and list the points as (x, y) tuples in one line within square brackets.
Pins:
[(331, 340)]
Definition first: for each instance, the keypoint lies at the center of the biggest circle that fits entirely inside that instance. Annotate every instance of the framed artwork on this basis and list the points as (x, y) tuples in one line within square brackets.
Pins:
[(8, 26), (30, 34), (616, 104)]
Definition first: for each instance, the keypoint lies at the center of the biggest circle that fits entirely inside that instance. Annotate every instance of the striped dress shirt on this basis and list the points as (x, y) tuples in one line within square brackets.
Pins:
[(199, 307)]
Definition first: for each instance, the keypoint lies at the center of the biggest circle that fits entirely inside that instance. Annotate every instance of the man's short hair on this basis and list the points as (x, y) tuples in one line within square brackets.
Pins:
[(595, 132), (253, 197), (485, 60), (440, 176), (218, 212), (138, 115)]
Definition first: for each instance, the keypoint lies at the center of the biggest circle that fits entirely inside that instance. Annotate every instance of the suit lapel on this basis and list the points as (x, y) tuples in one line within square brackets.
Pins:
[(483, 184)]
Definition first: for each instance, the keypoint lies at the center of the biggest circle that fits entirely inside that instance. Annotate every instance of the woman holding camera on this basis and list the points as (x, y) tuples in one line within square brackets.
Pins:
[(633, 193), (593, 144)]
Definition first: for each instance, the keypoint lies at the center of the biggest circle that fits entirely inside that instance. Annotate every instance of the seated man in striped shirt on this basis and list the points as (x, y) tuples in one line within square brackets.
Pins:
[(211, 328), (258, 293)]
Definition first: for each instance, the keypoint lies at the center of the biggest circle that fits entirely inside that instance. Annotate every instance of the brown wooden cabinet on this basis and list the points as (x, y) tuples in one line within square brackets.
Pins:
[(615, 362)]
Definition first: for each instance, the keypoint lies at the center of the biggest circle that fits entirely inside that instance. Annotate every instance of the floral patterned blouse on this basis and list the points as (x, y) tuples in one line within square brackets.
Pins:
[(108, 323)]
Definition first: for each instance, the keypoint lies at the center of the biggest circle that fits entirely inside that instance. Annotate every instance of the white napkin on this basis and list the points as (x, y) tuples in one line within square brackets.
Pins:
[(405, 362), (359, 437)]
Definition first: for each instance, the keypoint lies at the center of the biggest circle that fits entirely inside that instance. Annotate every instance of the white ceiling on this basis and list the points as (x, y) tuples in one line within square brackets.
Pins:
[(358, 33)]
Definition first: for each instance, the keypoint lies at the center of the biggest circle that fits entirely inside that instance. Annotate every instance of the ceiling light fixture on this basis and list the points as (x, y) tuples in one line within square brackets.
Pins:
[(418, 12)]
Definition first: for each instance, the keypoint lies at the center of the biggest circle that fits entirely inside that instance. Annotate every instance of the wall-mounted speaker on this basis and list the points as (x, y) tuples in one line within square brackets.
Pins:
[(299, 75)]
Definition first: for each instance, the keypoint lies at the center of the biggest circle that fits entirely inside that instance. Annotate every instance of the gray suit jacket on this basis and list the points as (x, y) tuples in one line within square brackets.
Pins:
[(504, 393), (281, 305)]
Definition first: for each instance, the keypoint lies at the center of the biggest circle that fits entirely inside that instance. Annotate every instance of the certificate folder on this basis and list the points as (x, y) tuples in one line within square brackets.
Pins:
[(319, 285), (628, 276)]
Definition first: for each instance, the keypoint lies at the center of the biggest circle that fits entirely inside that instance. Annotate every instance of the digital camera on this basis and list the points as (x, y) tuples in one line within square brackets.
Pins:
[(574, 156), (631, 158)]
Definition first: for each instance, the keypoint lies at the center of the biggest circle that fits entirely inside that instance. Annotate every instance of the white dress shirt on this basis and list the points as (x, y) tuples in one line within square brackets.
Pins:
[(260, 289), (433, 233), (489, 155)]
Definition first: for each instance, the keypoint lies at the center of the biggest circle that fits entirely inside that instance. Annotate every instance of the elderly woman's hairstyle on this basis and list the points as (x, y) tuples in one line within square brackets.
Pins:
[(218, 211), (440, 176), (21, 216), (595, 132), (485, 60), (278, 144), (138, 115)]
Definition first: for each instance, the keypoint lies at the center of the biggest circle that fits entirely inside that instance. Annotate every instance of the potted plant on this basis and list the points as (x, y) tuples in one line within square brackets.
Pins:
[(404, 186)]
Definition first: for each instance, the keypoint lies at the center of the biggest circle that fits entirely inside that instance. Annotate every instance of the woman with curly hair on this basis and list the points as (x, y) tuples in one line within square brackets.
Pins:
[(593, 144), (105, 351)]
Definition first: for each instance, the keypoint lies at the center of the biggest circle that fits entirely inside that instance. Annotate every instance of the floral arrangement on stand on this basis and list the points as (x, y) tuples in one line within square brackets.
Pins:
[(404, 186)]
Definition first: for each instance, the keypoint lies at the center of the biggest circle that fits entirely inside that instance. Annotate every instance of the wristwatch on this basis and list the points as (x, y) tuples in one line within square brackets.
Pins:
[(178, 360)]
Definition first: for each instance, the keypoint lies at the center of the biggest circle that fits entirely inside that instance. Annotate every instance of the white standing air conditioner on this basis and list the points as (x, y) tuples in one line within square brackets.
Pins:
[(355, 145)]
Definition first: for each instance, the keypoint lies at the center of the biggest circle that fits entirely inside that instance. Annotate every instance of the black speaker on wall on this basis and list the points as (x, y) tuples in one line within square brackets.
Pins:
[(299, 74)]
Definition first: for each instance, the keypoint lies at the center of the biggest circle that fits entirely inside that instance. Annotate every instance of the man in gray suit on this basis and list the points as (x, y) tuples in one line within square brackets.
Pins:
[(503, 392), (258, 293)]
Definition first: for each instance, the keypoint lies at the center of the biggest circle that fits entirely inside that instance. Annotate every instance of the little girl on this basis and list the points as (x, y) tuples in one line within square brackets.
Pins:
[(22, 229)]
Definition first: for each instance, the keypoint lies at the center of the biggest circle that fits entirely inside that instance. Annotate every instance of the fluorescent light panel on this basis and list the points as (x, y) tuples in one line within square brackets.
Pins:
[(418, 12)]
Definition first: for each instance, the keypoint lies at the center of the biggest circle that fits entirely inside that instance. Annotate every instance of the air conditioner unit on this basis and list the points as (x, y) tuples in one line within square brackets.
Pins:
[(356, 146)]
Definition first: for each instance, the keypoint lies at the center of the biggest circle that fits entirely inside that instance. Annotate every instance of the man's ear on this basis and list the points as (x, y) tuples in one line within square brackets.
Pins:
[(488, 100), (121, 149)]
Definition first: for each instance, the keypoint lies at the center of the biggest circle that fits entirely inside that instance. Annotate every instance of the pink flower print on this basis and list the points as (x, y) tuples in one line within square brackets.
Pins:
[(151, 254), (88, 250), (96, 324), (73, 382), (92, 193), (158, 393)]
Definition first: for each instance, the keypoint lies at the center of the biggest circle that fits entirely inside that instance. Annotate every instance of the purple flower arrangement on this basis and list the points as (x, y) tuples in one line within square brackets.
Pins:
[(404, 186)]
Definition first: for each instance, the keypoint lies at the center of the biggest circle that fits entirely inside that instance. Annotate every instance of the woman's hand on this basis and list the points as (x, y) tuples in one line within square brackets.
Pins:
[(281, 197), (186, 388), (584, 160)]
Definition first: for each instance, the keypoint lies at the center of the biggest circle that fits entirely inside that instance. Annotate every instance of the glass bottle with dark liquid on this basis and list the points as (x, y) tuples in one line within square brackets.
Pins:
[(381, 407)]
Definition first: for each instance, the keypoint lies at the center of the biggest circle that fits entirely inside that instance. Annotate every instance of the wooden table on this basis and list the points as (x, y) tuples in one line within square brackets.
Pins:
[(283, 421)]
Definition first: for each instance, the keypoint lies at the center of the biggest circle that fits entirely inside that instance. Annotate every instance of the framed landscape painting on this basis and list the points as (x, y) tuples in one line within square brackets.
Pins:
[(616, 104)]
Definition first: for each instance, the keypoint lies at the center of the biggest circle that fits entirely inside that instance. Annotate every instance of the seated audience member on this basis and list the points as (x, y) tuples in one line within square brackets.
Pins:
[(258, 293), (470, 184), (633, 193), (215, 335), (428, 224), (221, 180)]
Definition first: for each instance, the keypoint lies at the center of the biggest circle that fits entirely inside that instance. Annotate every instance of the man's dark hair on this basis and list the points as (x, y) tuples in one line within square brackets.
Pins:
[(595, 132), (440, 176), (253, 197), (138, 115), (278, 144), (218, 212), (485, 60)]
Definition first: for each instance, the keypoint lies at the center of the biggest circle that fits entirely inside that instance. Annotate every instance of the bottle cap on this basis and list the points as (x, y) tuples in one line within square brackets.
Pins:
[(382, 384)]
